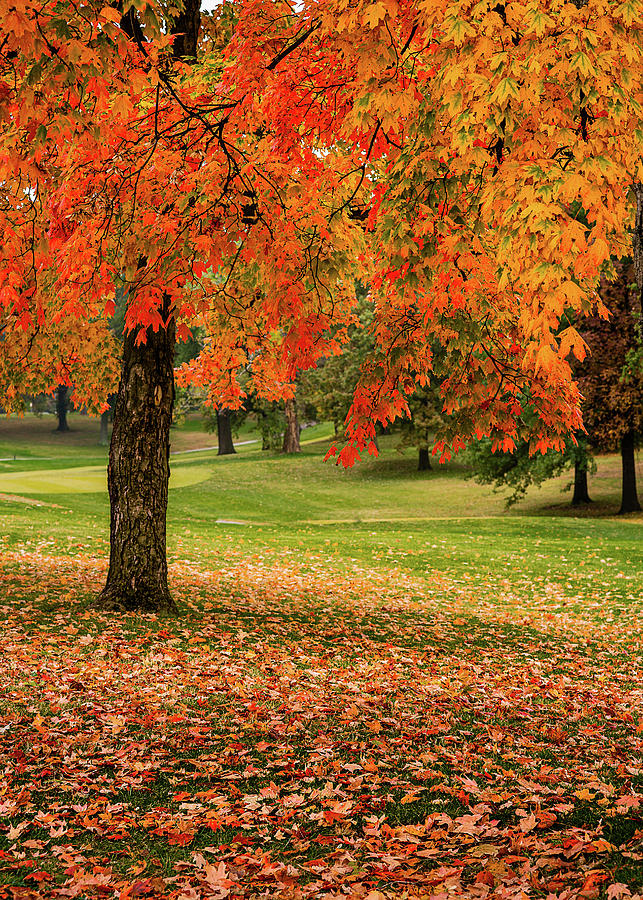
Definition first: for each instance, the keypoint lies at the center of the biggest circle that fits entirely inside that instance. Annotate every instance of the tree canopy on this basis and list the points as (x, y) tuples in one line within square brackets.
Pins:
[(440, 149)]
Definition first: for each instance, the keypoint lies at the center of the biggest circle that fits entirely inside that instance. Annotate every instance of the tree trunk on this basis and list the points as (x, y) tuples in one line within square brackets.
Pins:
[(104, 436), (629, 496), (138, 474), (224, 432), (581, 492), (62, 392), (186, 28), (291, 434), (637, 241), (139, 454), (424, 460)]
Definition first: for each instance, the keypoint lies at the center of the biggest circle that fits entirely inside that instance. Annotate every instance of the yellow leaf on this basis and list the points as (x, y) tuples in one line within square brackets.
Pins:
[(537, 21), (580, 61), (505, 90), (375, 13), (573, 292), (457, 30), (571, 341)]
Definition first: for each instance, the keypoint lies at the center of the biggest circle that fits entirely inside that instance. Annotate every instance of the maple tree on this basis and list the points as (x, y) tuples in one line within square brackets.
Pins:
[(439, 151)]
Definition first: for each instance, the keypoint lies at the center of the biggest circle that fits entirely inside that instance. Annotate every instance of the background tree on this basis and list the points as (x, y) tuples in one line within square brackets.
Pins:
[(291, 442), (271, 421), (105, 418), (423, 423), (62, 405), (326, 391), (611, 380), (613, 390), (224, 432), (519, 470)]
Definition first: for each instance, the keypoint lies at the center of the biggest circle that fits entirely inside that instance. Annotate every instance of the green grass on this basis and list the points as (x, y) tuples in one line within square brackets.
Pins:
[(382, 513)]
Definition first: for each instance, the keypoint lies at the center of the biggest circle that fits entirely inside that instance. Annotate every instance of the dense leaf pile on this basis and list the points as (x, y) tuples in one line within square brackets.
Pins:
[(305, 733)]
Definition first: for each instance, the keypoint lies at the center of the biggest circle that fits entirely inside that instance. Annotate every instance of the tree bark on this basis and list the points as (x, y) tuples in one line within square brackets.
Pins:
[(186, 28), (581, 491), (139, 455), (224, 432), (138, 474), (637, 241), (104, 436), (424, 460), (291, 434), (629, 496), (265, 438), (62, 393)]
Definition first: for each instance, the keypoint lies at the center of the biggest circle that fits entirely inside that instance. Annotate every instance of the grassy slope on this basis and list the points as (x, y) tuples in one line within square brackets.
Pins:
[(381, 513)]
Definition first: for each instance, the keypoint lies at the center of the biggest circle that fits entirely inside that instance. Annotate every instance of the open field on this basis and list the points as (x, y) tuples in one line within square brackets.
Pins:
[(380, 684)]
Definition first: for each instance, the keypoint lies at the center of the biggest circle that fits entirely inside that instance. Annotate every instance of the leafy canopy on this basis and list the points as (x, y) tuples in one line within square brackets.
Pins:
[(438, 151)]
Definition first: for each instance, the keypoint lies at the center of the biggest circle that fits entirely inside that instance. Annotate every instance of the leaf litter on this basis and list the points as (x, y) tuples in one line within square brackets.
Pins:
[(304, 732)]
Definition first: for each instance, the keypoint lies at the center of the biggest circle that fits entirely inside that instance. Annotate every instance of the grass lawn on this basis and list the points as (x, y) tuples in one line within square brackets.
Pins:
[(381, 684)]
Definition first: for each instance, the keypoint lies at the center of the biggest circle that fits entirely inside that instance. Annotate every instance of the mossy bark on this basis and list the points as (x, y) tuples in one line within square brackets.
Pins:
[(138, 475)]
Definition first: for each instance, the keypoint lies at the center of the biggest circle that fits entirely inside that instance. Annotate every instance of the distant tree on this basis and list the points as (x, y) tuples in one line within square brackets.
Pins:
[(611, 378), (103, 440), (327, 391), (270, 419), (583, 463), (419, 429), (224, 432), (62, 406), (611, 381), (517, 471), (190, 398), (38, 403), (190, 348), (291, 434), (106, 417)]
